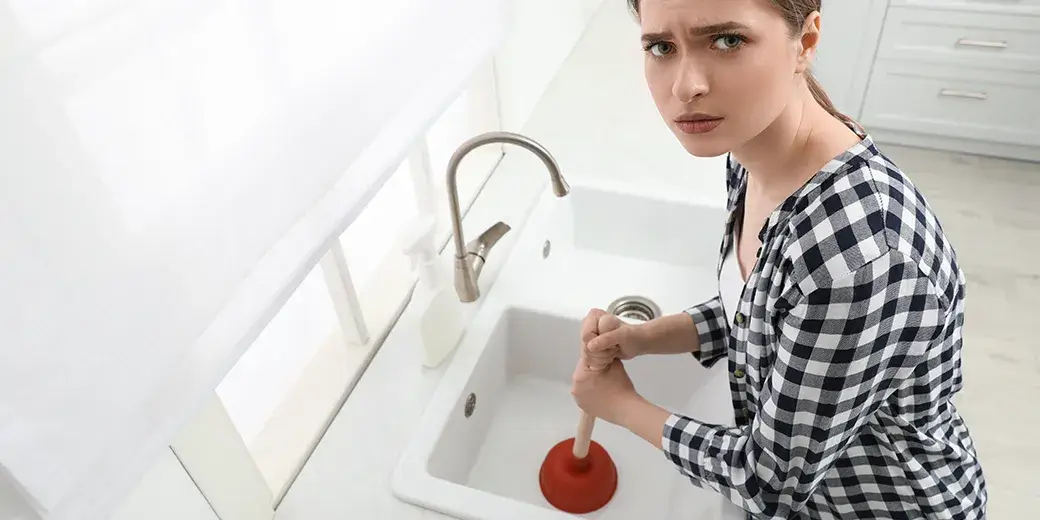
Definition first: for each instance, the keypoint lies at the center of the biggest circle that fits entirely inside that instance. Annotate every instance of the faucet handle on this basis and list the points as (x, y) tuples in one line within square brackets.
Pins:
[(467, 269), (480, 247)]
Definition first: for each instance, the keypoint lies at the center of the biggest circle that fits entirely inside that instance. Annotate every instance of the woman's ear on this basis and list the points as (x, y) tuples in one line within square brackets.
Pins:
[(810, 39)]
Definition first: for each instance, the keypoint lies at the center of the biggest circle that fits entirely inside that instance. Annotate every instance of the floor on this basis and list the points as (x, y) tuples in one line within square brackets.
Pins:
[(990, 209)]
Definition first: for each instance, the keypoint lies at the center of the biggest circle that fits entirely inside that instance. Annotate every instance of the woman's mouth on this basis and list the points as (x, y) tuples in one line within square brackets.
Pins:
[(697, 123)]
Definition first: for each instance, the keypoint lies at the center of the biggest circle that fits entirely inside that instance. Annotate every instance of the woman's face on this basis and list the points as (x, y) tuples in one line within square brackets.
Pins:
[(720, 71)]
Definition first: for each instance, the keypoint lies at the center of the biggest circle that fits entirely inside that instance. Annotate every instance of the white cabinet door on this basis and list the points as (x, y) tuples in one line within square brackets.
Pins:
[(165, 493), (850, 31)]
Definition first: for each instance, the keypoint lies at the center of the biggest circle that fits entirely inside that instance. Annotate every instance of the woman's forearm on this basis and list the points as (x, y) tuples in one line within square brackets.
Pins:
[(644, 419), (673, 334)]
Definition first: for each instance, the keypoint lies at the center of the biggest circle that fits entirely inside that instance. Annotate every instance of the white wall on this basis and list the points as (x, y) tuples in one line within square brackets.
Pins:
[(849, 34), (542, 34)]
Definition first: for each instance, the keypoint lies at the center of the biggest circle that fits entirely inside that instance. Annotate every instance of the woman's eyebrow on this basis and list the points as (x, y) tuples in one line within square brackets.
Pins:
[(715, 28), (703, 30), (656, 36)]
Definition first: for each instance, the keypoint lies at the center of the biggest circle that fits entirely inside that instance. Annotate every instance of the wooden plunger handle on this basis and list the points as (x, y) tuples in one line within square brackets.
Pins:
[(584, 436)]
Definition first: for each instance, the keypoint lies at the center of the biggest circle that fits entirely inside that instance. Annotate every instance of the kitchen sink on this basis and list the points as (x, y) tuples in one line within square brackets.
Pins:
[(504, 400), (654, 229)]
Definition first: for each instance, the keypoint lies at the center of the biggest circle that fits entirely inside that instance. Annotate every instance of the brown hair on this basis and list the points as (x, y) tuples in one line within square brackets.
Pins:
[(794, 13)]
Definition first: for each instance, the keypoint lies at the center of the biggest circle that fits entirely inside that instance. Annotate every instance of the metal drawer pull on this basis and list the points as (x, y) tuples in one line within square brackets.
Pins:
[(982, 43), (961, 94)]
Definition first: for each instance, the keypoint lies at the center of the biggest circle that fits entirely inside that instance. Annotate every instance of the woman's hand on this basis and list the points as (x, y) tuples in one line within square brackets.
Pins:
[(605, 394), (604, 338), (600, 382)]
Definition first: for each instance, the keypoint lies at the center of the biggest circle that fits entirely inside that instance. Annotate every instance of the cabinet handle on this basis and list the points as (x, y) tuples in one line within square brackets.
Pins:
[(961, 94), (982, 43)]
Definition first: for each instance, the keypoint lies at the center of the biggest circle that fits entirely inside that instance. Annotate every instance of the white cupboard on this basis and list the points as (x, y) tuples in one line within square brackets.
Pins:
[(958, 75)]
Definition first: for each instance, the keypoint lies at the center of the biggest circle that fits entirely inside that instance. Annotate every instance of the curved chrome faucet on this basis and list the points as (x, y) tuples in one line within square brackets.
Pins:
[(470, 258)]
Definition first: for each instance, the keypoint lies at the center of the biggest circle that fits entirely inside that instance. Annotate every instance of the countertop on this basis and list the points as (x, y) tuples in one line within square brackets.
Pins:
[(598, 120)]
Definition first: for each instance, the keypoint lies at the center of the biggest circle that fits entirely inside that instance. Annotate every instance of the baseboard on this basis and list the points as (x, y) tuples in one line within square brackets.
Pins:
[(958, 145)]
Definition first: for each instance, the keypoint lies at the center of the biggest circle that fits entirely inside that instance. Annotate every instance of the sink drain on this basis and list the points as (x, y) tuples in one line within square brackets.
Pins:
[(635, 308)]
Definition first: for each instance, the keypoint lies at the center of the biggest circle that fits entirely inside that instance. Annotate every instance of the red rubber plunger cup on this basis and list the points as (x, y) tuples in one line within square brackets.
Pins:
[(578, 475)]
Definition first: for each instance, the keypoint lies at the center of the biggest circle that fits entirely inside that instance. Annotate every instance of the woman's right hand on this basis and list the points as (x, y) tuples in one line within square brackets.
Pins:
[(606, 337)]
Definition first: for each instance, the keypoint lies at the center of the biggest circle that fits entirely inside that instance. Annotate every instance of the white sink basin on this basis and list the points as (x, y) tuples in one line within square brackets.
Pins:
[(643, 227), (512, 369)]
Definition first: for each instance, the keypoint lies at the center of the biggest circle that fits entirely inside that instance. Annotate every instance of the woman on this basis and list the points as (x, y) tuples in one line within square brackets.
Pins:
[(840, 308)]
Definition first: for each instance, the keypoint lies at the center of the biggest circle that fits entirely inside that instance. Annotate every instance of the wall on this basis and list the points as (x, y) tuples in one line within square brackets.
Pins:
[(849, 34), (542, 34)]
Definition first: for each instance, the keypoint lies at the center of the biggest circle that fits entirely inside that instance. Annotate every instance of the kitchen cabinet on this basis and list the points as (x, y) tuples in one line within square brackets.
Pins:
[(958, 75)]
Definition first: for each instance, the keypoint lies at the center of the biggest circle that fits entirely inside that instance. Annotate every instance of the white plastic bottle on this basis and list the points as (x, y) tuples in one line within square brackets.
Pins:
[(439, 311)]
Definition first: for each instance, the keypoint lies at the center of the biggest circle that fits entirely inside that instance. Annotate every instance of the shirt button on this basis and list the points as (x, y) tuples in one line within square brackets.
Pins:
[(739, 373), (740, 318), (746, 413)]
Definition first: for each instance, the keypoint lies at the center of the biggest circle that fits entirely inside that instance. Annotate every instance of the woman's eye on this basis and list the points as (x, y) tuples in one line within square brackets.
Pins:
[(728, 42), (660, 49)]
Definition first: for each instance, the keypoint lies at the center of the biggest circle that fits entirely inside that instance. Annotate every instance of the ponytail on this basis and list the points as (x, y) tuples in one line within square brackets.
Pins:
[(824, 100)]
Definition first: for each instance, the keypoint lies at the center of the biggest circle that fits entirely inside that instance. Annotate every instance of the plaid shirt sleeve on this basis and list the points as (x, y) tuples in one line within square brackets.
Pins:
[(843, 349), (710, 320)]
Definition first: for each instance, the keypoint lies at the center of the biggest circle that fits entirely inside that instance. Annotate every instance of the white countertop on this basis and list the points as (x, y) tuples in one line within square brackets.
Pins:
[(597, 119)]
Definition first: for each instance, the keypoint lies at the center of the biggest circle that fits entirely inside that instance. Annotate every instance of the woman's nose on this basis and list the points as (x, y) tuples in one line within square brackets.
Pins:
[(690, 82)]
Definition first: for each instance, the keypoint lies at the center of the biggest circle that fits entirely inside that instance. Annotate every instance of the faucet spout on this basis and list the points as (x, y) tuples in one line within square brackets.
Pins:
[(470, 258)]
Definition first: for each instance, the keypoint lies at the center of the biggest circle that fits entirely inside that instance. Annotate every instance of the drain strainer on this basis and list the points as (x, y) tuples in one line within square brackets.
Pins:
[(635, 308)]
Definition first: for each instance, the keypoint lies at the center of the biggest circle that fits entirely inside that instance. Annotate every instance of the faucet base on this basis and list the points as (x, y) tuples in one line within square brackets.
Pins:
[(466, 278)]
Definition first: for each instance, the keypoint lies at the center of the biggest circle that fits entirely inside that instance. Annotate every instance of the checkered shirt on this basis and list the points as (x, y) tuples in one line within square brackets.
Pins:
[(844, 354)]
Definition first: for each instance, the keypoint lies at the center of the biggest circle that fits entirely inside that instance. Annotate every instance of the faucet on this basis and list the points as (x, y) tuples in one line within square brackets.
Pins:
[(470, 258)]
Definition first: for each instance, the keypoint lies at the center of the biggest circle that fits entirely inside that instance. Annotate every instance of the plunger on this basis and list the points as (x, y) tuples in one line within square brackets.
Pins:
[(578, 475)]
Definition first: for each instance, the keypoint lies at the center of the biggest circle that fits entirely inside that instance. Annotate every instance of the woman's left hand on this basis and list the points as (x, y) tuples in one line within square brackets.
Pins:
[(602, 394)]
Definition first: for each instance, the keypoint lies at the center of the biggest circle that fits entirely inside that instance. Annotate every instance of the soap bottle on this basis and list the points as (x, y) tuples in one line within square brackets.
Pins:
[(439, 311)]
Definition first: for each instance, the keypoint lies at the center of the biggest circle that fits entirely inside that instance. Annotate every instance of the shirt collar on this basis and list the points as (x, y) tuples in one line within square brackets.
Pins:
[(849, 159)]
